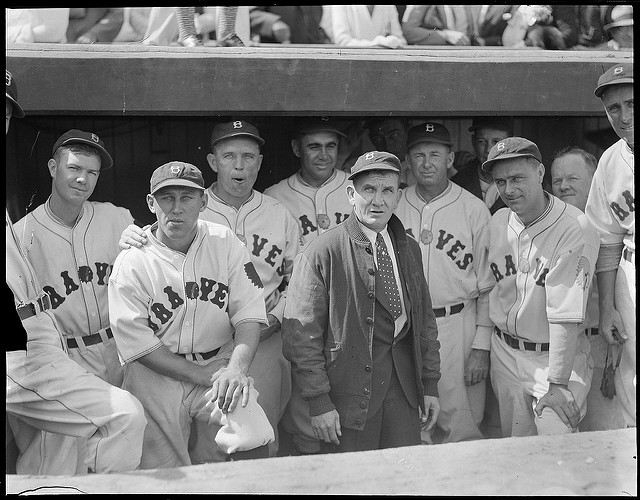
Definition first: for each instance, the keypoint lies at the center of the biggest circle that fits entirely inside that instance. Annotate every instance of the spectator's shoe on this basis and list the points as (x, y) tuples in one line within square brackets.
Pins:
[(231, 40), (190, 41)]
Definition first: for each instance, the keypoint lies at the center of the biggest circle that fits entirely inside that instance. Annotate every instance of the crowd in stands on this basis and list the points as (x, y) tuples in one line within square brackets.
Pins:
[(552, 27)]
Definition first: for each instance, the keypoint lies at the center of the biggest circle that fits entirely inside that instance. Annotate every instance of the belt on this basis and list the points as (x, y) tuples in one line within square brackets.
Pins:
[(26, 310), (591, 331), (628, 255), (442, 311), (521, 344), (95, 338), (204, 355)]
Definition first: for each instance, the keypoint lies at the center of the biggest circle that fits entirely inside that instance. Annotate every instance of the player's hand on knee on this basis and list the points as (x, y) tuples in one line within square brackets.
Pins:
[(477, 367), (560, 399), (326, 427), (230, 386), (132, 236), (611, 327)]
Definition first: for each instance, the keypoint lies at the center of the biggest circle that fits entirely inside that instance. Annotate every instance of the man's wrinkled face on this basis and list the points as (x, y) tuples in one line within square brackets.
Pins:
[(618, 104)]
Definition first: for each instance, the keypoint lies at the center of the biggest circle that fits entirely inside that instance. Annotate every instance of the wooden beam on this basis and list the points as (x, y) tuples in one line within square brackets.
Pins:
[(134, 79)]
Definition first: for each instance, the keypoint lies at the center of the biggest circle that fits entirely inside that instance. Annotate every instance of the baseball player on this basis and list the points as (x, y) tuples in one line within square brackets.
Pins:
[(447, 221), (186, 312), (541, 254), (611, 209), (46, 390), (73, 243), (316, 196), (272, 236), (572, 170)]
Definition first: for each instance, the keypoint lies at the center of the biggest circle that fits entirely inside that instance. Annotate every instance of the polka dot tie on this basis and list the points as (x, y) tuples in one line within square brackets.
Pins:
[(385, 268)]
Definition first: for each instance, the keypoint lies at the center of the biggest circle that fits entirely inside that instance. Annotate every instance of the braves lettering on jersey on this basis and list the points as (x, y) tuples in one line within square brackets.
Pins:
[(446, 229), (189, 302), (611, 203), (74, 264), (542, 272), (271, 235), (315, 209)]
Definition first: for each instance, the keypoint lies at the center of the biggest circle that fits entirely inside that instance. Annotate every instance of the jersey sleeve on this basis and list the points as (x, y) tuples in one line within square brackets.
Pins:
[(570, 273), (246, 291), (600, 213), (128, 308)]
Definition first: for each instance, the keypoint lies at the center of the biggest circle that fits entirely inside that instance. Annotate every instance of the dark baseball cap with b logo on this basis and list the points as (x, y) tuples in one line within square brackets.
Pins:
[(12, 96), (75, 136), (428, 132), (511, 147), (236, 128), (313, 124), (375, 160), (176, 173), (616, 75)]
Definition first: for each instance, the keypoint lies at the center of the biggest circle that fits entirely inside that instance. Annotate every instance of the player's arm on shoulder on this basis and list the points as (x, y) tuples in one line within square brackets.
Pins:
[(133, 236)]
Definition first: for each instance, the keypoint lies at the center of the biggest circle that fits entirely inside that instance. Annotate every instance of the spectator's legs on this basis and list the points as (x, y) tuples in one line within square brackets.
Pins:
[(226, 30), (187, 27)]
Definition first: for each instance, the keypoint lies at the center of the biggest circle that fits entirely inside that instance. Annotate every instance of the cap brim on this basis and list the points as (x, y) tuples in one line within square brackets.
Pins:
[(600, 88), (106, 160), (237, 134), (435, 141), (374, 166), (17, 110), (618, 24), (488, 165), (331, 130), (176, 182)]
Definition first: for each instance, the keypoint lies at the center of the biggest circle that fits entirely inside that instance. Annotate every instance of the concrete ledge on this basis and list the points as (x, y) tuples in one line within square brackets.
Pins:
[(135, 79), (590, 463)]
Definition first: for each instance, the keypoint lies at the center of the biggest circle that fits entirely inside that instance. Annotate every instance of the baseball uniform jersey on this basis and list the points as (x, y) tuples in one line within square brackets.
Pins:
[(272, 237), (315, 209), (191, 303), (542, 273), (74, 264), (611, 209), (447, 229), (46, 391)]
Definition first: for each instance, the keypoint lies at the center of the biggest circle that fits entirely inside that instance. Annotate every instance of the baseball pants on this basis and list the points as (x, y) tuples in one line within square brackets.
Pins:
[(461, 406), (48, 391), (602, 413), (625, 376), (271, 373), (519, 380), (171, 405), (55, 454)]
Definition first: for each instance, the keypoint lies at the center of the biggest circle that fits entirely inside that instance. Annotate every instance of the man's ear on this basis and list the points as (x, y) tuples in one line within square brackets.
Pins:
[(350, 193), (52, 166), (295, 147), (150, 200), (211, 160)]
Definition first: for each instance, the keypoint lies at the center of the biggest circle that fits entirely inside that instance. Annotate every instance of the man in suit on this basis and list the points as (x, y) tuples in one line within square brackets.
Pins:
[(358, 325), (486, 131)]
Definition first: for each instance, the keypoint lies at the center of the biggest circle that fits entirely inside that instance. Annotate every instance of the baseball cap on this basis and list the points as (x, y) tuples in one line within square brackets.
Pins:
[(618, 74), (311, 124), (75, 136), (176, 173), (504, 123), (428, 132), (235, 129), (12, 95), (511, 147), (620, 15), (375, 160)]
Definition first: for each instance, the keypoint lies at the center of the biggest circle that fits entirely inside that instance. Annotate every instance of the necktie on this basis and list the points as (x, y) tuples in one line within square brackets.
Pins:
[(390, 287)]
